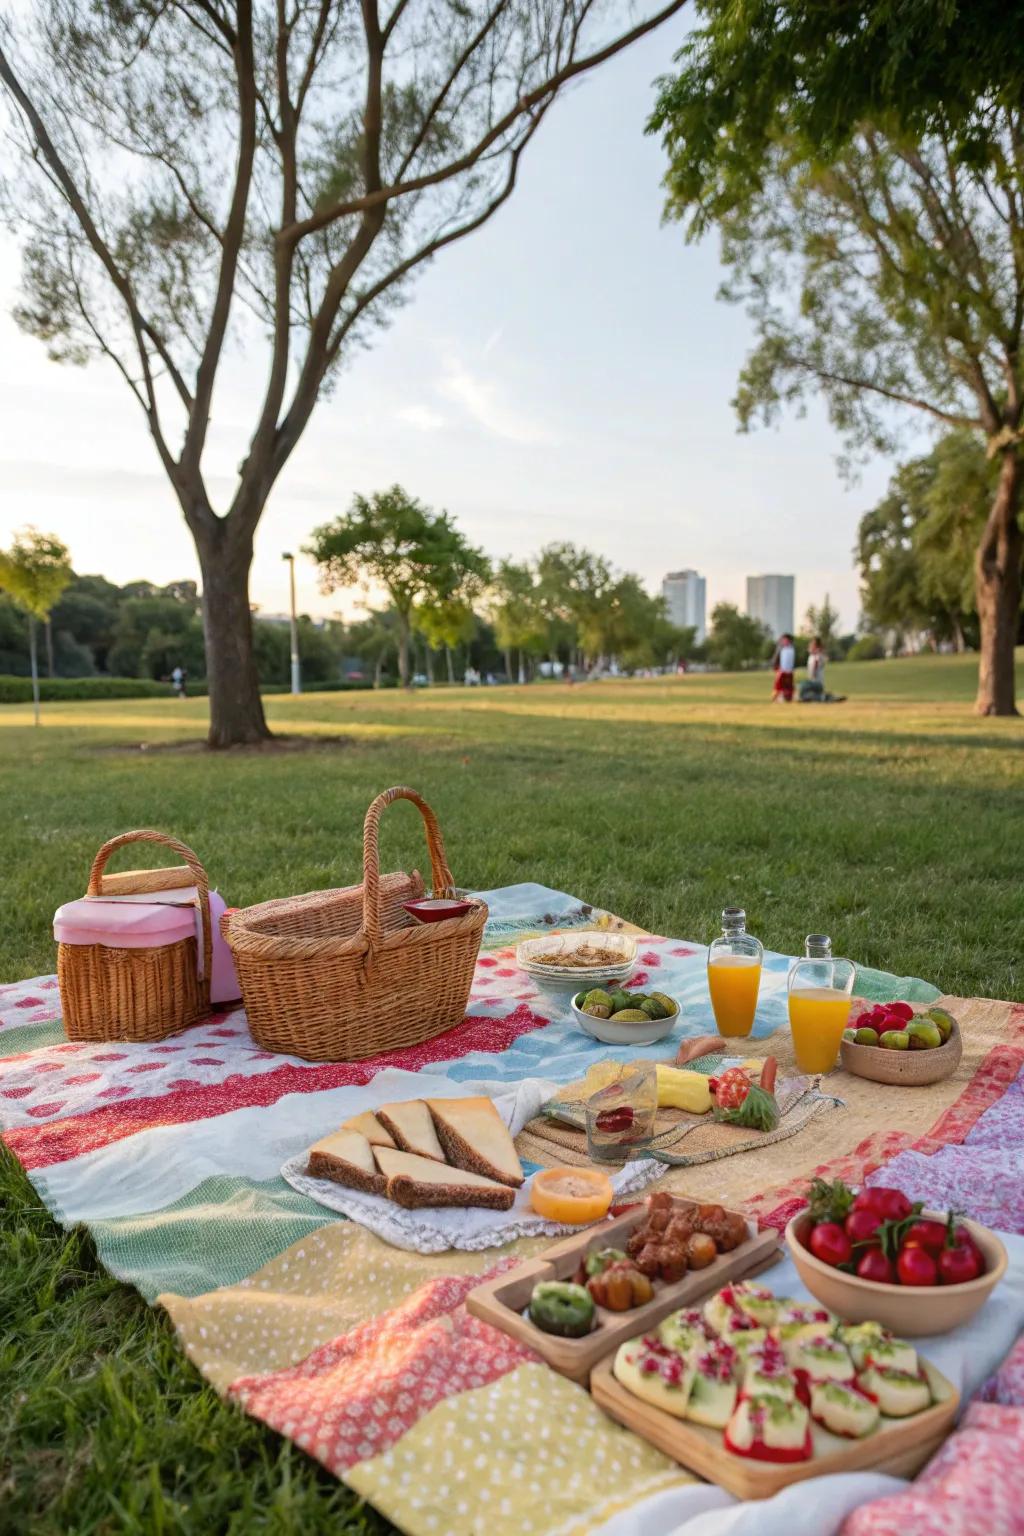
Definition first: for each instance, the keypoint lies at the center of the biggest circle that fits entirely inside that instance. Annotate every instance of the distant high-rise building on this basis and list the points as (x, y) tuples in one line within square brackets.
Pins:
[(685, 598), (770, 599)]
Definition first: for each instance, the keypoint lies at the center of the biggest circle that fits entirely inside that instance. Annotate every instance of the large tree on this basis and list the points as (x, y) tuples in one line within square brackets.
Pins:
[(196, 173), (883, 267)]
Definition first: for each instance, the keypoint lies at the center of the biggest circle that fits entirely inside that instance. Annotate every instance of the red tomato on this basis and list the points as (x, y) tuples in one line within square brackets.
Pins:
[(930, 1235), (963, 1237), (730, 1088), (900, 1011), (867, 1200), (893, 1204), (862, 1224), (959, 1264), (916, 1267), (873, 1265), (829, 1243)]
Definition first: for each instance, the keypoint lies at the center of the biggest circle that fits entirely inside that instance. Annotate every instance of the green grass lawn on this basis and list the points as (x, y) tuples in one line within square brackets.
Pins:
[(893, 822)]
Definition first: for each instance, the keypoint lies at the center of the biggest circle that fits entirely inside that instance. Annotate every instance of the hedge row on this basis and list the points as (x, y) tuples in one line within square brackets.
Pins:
[(18, 690)]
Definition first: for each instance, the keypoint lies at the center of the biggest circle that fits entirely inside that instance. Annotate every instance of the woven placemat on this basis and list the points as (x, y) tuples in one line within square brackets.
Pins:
[(681, 1139)]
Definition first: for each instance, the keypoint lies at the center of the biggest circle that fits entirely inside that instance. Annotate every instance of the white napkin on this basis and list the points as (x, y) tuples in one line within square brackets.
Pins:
[(434, 1230)]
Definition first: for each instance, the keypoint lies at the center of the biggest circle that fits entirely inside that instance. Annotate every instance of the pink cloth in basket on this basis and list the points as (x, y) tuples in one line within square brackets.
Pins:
[(145, 924)]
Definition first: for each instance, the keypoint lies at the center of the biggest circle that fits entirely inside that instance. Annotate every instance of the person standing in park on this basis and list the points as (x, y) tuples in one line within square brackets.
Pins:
[(816, 662), (784, 662)]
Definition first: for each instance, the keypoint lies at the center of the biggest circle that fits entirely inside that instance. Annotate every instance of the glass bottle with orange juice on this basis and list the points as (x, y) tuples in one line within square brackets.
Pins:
[(820, 987), (734, 974)]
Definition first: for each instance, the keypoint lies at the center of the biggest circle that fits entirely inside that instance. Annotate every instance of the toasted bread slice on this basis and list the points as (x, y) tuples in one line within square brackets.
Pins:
[(412, 1128), (369, 1126), (346, 1157), (475, 1137), (417, 1181)]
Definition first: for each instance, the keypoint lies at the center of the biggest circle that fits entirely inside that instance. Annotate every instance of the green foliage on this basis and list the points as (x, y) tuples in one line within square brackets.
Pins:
[(867, 648), (819, 72), (914, 549), (736, 640), (418, 556), (823, 621), (35, 571), (155, 632)]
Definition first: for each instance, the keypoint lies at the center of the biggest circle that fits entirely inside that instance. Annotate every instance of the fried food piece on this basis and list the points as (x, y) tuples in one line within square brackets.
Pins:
[(701, 1250), (728, 1228)]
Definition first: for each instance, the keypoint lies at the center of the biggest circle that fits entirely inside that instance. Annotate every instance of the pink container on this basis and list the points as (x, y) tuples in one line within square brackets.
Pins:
[(137, 924)]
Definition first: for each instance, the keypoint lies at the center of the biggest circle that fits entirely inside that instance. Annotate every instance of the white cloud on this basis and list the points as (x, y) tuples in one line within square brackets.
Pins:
[(481, 399), (421, 417)]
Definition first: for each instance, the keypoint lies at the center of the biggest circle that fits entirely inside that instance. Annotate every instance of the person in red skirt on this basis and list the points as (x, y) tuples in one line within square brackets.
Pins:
[(784, 662)]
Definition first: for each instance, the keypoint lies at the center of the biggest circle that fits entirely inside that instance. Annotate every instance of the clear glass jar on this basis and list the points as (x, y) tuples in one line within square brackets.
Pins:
[(820, 988), (620, 1118), (734, 974)]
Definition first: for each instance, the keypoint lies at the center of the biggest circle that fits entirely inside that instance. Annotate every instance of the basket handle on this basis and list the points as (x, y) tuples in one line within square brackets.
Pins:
[(441, 875), (202, 883)]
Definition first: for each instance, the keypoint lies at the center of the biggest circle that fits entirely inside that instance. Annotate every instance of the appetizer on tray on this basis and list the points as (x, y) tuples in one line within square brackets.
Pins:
[(424, 1152), (757, 1378), (578, 1302)]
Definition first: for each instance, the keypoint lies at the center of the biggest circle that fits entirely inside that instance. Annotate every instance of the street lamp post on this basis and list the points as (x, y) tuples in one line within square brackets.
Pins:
[(293, 626)]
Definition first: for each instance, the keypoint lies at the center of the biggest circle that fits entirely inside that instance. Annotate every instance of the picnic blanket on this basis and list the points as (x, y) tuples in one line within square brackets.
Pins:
[(361, 1352)]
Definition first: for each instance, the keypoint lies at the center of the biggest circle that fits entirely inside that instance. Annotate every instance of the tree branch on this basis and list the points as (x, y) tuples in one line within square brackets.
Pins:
[(374, 198), (951, 418), (63, 179), (231, 245)]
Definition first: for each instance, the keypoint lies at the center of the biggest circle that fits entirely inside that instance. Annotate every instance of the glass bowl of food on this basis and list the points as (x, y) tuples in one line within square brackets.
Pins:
[(566, 963)]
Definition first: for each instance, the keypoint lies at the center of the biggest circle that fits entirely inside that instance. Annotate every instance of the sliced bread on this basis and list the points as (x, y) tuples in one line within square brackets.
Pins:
[(475, 1137), (369, 1126), (346, 1157), (420, 1181), (412, 1128)]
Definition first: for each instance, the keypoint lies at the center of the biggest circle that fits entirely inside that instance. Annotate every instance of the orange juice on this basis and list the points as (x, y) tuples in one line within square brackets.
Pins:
[(817, 1018), (734, 981)]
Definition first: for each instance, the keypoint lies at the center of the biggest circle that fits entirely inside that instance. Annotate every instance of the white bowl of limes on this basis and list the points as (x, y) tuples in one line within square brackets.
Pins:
[(640, 1019)]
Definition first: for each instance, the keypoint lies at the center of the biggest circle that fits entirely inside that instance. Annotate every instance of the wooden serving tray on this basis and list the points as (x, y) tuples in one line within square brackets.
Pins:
[(898, 1446), (503, 1301)]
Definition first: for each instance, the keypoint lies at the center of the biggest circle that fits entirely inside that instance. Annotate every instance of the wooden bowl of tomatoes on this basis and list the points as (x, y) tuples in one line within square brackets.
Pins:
[(877, 1256)]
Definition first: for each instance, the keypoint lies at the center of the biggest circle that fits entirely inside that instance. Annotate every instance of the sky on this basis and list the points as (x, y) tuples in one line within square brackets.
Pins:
[(564, 373)]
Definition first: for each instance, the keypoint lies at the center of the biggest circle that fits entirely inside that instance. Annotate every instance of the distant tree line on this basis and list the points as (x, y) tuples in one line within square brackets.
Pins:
[(142, 630)]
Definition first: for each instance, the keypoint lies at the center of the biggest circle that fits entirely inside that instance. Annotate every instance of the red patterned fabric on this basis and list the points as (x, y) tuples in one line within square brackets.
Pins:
[(973, 1486), (40, 1146), (354, 1397)]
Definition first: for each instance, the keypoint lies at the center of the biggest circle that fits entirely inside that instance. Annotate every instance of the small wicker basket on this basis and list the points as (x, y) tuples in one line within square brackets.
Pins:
[(344, 974), (109, 993)]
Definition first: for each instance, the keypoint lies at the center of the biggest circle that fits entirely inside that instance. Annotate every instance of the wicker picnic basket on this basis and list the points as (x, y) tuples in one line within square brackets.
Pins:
[(109, 993), (343, 974)]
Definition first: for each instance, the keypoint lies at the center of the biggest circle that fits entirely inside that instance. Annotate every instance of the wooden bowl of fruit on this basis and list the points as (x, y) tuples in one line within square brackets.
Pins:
[(878, 1256), (890, 1043)]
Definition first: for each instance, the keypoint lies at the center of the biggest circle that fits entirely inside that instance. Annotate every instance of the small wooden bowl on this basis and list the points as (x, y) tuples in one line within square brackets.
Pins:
[(905, 1069), (909, 1311)]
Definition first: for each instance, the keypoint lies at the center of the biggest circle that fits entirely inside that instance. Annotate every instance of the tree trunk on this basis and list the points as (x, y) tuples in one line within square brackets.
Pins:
[(236, 709), (378, 670), (449, 658), (522, 667), (34, 659), (49, 646), (403, 648), (997, 571), (508, 663)]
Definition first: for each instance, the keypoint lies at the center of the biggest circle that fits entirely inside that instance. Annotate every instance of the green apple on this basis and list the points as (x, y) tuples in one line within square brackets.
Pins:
[(866, 1036), (943, 1022), (924, 1035), (849, 1034), (895, 1040)]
